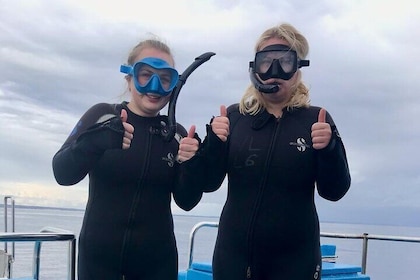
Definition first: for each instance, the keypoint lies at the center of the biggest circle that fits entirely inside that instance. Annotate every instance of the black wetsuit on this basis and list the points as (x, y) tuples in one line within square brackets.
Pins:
[(127, 231), (269, 227)]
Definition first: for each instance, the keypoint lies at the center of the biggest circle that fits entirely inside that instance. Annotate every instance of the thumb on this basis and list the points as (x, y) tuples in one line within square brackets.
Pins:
[(322, 115), (123, 115), (191, 132), (223, 111)]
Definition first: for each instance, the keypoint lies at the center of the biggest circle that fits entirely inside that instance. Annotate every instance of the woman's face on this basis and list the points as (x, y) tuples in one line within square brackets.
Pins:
[(282, 96), (150, 104)]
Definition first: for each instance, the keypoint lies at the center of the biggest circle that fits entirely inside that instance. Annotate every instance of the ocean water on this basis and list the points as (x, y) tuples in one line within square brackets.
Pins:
[(386, 260)]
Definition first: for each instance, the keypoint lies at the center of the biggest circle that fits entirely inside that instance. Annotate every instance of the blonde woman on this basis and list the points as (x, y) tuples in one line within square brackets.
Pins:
[(275, 149)]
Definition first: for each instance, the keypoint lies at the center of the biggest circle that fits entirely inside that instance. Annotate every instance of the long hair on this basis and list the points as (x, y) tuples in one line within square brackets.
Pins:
[(252, 101)]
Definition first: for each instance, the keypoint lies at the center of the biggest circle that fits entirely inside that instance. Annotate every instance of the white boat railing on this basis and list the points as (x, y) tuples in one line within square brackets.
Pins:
[(46, 234), (8, 256), (365, 237), (192, 238)]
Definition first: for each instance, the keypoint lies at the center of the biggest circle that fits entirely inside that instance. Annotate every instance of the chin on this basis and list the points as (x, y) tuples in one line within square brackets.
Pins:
[(279, 96)]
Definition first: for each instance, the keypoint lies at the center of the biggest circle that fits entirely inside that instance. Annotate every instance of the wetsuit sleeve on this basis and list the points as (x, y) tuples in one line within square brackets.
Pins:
[(99, 129), (185, 192), (210, 162), (207, 169), (333, 175), (215, 151)]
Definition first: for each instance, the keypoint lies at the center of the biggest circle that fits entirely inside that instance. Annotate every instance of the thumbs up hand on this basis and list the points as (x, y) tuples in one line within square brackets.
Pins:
[(220, 124), (321, 131), (129, 130), (188, 146)]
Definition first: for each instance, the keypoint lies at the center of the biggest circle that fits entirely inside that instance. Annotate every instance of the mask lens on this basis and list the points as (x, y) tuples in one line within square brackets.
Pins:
[(166, 77), (264, 60), (152, 75)]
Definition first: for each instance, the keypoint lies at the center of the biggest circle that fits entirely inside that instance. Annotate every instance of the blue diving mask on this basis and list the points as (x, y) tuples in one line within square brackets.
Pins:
[(152, 75)]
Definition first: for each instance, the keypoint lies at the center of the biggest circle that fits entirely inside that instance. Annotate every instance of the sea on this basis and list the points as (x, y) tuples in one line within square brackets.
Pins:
[(387, 260)]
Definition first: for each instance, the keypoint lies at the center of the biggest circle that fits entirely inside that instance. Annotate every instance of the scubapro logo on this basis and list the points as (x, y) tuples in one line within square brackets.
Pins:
[(170, 159), (300, 144)]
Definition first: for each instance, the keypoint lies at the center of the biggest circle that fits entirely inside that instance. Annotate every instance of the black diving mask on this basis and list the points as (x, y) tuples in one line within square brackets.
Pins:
[(274, 61)]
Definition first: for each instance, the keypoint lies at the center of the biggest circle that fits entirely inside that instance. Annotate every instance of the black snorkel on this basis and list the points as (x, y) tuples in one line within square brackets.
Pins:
[(265, 88), (169, 132)]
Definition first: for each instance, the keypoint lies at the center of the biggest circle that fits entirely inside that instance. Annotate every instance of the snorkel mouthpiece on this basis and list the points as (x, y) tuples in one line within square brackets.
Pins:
[(265, 88)]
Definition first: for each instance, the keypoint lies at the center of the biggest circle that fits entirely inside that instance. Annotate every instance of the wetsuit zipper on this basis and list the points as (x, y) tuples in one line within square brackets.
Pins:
[(258, 199), (135, 202)]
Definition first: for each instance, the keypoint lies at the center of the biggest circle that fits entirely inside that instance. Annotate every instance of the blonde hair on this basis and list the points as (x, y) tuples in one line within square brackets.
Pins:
[(252, 101)]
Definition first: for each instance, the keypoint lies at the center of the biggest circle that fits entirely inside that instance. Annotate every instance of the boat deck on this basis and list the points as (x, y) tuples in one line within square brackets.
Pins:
[(330, 269)]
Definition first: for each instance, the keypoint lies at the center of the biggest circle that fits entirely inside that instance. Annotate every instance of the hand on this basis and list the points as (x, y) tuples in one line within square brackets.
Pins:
[(129, 130), (188, 146), (220, 124), (321, 131)]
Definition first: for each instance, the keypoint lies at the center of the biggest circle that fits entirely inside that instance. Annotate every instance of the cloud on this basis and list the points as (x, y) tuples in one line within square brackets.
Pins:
[(46, 195), (59, 58)]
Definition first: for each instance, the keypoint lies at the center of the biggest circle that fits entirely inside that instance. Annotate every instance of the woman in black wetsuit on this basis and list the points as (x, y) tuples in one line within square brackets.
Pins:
[(127, 231), (275, 149)]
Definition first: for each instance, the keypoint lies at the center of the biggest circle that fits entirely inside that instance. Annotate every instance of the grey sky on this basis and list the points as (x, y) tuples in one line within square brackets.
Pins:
[(58, 58)]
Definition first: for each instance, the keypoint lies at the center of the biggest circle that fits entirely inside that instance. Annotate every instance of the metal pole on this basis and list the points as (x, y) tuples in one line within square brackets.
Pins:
[(192, 237), (6, 229), (72, 257), (364, 252)]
